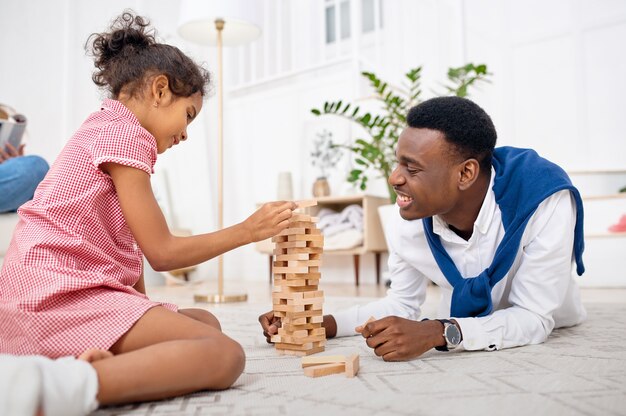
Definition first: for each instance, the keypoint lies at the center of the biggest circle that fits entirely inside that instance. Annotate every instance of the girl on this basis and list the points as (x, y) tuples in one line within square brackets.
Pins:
[(72, 278)]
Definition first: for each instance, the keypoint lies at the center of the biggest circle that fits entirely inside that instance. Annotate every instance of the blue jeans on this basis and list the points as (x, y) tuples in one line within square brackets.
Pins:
[(19, 177)]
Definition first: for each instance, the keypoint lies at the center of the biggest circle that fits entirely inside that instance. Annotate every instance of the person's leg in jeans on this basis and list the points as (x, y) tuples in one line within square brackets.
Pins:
[(19, 177)]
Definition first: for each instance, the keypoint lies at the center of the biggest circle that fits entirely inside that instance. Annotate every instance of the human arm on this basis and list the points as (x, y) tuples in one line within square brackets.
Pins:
[(540, 283), (140, 286), (10, 151), (404, 298), (165, 251)]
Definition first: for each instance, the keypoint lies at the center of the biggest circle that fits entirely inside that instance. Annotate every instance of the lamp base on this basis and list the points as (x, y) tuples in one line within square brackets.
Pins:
[(217, 298)]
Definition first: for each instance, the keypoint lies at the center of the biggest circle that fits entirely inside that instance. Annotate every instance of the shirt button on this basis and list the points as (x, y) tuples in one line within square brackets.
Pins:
[(135, 246)]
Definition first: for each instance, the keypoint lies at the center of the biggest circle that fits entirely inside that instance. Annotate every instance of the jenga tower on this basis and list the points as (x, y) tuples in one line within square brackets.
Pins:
[(296, 298)]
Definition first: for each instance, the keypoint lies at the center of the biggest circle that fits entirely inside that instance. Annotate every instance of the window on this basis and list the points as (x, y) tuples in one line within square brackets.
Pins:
[(337, 22), (330, 24), (368, 16)]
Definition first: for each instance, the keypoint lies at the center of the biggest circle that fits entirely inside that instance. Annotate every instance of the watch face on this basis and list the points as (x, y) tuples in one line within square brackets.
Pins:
[(453, 335)]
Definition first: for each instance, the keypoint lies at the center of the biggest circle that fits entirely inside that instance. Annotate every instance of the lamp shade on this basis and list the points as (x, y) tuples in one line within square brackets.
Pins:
[(241, 21)]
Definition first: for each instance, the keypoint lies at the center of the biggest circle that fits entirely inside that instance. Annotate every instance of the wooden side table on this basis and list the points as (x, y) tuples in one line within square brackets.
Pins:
[(373, 237)]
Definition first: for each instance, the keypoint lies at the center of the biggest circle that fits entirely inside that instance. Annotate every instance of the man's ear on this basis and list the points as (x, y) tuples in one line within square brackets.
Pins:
[(468, 173), (160, 89)]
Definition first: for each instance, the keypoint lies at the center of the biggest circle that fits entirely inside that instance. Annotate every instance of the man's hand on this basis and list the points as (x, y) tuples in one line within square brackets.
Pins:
[(398, 339), (270, 325), (10, 152)]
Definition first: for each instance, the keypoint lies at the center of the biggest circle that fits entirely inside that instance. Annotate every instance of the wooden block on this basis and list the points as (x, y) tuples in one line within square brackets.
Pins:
[(308, 225), (304, 314), (305, 249), (291, 230), (296, 256), (304, 263), (299, 217), (287, 339), (313, 350), (291, 244), (305, 237), (325, 369), (299, 295), (306, 203), (280, 238), (309, 274), (290, 270), (352, 365), (305, 327), (324, 359)]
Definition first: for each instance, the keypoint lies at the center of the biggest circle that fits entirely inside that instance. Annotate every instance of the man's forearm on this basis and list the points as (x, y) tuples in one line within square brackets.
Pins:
[(330, 325)]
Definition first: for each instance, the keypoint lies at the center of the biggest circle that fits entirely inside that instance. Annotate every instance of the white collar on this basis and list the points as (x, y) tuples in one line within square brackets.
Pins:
[(482, 223)]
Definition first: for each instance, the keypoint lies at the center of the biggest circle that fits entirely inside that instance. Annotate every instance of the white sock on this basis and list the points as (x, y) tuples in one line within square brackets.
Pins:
[(69, 387), (20, 385)]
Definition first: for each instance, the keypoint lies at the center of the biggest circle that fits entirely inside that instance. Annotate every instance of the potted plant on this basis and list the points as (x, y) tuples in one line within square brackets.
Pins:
[(377, 153), (324, 156)]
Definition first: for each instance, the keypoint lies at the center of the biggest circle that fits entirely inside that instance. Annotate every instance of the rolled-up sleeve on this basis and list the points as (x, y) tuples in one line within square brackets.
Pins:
[(404, 297)]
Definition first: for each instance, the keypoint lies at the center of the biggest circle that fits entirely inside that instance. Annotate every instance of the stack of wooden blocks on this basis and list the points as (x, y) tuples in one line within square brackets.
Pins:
[(296, 298)]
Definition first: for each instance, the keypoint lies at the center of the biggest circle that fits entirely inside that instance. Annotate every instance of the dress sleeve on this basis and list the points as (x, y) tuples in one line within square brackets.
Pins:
[(125, 144)]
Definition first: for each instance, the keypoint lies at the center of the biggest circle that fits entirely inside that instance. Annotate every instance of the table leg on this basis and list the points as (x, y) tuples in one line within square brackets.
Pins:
[(377, 267), (356, 269)]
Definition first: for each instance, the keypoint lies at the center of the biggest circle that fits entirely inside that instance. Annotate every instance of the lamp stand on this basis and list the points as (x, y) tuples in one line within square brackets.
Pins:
[(220, 297)]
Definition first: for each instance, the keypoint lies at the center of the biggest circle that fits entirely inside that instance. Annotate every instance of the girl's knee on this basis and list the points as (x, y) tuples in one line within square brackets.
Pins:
[(202, 316), (228, 362)]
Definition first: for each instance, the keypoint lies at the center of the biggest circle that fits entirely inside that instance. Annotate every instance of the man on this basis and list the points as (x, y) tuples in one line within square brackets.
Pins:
[(498, 230)]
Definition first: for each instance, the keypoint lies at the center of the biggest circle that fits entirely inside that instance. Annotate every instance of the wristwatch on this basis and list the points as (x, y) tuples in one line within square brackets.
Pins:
[(452, 335)]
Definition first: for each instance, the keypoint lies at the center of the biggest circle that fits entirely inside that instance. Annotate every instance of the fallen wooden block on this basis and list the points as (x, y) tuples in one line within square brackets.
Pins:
[(327, 359), (325, 369), (331, 364), (352, 365)]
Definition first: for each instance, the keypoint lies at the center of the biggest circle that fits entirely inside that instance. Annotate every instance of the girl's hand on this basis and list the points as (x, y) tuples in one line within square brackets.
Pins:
[(95, 354), (269, 220)]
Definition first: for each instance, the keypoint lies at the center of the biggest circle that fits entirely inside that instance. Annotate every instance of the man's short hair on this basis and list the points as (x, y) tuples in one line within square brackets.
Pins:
[(463, 123)]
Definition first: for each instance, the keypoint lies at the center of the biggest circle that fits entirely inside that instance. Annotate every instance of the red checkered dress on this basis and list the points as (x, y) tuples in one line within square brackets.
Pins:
[(66, 283)]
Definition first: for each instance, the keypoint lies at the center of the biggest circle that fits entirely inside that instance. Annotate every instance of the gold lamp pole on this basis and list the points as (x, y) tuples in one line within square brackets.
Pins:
[(220, 297), (204, 22)]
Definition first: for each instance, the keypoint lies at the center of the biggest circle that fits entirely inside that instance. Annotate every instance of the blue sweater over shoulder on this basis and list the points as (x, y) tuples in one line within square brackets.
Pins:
[(523, 180)]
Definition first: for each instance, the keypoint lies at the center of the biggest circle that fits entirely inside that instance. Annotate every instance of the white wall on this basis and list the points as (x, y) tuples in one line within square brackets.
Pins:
[(557, 86)]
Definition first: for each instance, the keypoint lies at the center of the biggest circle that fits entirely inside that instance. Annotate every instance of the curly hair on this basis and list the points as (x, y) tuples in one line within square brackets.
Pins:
[(463, 123), (128, 55)]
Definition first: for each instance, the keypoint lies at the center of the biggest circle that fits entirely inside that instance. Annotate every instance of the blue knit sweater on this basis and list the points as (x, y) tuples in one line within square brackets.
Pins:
[(523, 180)]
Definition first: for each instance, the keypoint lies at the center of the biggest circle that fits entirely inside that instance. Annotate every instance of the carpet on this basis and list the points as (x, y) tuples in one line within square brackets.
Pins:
[(578, 371)]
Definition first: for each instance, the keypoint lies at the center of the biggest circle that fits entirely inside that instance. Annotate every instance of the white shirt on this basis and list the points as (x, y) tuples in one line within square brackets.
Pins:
[(537, 295)]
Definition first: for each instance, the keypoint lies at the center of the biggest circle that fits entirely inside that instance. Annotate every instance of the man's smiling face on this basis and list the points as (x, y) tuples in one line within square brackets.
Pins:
[(426, 178)]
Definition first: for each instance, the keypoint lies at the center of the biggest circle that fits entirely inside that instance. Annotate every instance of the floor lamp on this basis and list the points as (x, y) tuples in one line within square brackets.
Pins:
[(219, 23)]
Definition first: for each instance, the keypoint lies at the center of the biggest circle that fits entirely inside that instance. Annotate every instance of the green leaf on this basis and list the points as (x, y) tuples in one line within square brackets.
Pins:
[(316, 111)]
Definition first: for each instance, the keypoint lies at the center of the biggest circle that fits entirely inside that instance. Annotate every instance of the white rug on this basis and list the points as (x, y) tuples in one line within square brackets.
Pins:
[(579, 371)]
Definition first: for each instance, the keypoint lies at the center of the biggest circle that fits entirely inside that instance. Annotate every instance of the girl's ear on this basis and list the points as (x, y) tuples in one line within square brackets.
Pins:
[(160, 89)]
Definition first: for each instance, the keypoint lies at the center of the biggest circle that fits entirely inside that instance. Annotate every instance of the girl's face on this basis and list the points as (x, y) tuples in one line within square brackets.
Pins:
[(170, 120)]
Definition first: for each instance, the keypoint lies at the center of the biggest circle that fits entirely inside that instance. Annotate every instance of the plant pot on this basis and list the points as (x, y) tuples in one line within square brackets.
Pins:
[(321, 187)]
